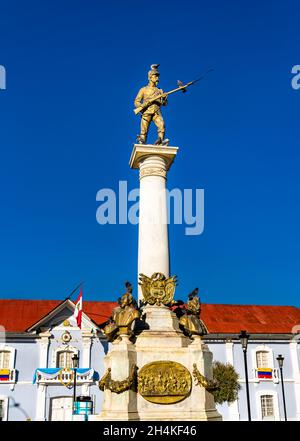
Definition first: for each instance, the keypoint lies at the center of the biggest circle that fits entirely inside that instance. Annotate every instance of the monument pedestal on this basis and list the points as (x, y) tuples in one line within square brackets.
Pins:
[(163, 343)]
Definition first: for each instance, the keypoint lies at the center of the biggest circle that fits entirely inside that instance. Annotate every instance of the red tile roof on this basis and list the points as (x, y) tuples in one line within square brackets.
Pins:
[(19, 315), (256, 319)]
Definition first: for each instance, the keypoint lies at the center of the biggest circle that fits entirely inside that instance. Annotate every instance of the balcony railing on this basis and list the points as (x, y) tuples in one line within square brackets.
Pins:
[(264, 374), (64, 376)]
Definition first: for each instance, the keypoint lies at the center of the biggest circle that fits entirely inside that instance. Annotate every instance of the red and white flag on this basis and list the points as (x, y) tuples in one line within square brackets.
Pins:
[(78, 310)]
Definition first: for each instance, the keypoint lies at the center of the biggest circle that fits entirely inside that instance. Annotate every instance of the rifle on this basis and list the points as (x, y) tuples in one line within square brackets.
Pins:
[(181, 87)]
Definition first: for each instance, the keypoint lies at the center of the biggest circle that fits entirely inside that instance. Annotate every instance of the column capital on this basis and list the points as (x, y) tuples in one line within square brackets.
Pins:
[(45, 334), (142, 151), (44, 339)]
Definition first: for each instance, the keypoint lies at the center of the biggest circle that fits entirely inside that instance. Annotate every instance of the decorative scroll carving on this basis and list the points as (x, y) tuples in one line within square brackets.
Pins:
[(164, 382), (209, 385), (158, 289), (153, 172), (118, 387)]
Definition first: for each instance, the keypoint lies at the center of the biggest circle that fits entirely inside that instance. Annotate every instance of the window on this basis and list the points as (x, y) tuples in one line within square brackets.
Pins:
[(3, 408), (262, 359), (64, 359), (61, 409), (267, 406), (4, 359), (62, 356)]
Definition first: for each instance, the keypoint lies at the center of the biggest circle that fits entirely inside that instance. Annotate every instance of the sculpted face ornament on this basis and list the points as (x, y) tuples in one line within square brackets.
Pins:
[(158, 290)]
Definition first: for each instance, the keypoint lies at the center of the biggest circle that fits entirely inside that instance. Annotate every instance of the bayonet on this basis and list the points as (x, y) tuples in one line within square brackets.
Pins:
[(182, 87)]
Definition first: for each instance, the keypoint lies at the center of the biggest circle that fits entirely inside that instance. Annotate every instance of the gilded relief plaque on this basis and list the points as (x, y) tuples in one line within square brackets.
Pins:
[(164, 382)]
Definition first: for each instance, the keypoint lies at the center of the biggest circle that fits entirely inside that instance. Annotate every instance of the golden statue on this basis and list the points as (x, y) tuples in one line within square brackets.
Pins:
[(149, 101), (151, 112), (158, 289), (190, 321), (123, 316)]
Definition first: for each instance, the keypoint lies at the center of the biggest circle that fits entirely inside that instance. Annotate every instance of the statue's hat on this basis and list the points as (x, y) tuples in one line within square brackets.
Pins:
[(154, 69)]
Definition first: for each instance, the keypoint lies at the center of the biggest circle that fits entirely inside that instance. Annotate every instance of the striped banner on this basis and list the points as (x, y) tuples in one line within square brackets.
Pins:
[(4, 374), (265, 373)]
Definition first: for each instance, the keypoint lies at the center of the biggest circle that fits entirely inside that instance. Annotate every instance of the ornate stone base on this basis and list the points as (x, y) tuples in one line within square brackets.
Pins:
[(162, 342)]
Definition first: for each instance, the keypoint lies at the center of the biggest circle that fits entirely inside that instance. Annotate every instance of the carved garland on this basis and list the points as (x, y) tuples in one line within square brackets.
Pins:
[(130, 383), (209, 385), (155, 171)]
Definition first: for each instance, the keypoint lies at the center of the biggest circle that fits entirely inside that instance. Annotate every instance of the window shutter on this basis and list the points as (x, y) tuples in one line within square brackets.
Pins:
[(64, 359), (4, 359), (262, 359), (267, 406)]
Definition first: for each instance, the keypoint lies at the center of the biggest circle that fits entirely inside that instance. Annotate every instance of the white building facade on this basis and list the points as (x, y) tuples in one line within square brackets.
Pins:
[(37, 378)]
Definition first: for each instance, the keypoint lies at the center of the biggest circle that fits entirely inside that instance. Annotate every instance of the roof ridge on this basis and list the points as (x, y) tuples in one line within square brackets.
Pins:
[(250, 304), (114, 301)]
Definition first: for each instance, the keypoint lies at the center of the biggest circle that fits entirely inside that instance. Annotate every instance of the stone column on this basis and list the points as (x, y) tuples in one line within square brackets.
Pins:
[(41, 388), (153, 163), (44, 345), (86, 358), (86, 349), (41, 403)]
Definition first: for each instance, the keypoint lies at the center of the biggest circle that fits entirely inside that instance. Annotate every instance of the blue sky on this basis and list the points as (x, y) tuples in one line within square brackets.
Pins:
[(67, 129)]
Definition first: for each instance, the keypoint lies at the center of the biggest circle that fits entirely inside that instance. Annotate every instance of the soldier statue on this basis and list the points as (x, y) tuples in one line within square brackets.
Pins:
[(149, 101), (151, 112)]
